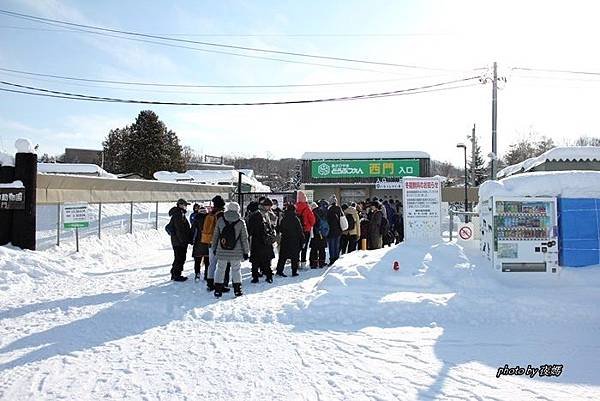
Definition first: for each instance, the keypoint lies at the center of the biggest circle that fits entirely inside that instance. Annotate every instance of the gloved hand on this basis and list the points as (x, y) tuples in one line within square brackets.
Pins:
[(246, 257)]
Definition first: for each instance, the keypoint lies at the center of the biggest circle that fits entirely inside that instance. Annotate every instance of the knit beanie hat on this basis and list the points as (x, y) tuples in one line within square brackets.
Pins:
[(233, 207), (218, 202)]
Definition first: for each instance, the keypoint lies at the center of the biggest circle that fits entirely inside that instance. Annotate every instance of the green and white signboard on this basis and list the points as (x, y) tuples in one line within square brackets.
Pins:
[(75, 215), (364, 168)]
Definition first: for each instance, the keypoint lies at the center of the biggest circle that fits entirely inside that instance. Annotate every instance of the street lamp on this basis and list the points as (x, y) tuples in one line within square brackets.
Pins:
[(464, 147)]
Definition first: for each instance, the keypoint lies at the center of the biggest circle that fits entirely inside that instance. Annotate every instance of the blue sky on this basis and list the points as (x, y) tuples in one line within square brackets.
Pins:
[(457, 35)]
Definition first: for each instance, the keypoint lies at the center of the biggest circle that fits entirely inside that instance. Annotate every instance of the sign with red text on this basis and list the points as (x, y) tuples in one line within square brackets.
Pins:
[(422, 204)]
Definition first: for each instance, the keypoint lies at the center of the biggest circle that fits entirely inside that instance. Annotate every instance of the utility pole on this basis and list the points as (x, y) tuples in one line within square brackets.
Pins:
[(473, 157), (494, 120)]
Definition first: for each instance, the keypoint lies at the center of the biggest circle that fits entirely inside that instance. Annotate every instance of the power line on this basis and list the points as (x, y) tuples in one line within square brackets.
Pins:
[(212, 44), (250, 56), (76, 96), (557, 71), (170, 85), (260, 35)]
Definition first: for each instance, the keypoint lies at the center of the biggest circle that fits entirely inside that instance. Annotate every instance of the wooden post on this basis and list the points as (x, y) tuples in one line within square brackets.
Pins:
[(99, 220)]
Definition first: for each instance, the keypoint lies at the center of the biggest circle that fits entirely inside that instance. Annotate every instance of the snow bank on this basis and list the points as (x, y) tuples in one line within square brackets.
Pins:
[(568, 153), (20, 268), (6, 159), (74, 168), (440, 284), (14, 184), (565, 184)]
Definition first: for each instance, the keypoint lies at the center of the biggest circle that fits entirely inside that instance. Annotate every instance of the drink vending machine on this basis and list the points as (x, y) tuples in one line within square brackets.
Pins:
[(520, 234)]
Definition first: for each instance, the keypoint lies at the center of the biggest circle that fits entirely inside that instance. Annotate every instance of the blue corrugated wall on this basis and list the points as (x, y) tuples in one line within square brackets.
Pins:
[(578, 231)]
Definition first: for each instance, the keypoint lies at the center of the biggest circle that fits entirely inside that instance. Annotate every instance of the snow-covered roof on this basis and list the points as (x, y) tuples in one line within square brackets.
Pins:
[(567, 153), (212, 177), (365, 155), (565, 184), (172, 176), (73, 168)]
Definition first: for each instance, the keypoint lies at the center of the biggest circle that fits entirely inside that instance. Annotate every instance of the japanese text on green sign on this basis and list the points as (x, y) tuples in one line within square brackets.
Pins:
[(364, 168)]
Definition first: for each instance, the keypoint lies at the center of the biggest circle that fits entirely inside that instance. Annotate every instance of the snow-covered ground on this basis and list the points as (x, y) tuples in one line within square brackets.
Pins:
[(107, 324)]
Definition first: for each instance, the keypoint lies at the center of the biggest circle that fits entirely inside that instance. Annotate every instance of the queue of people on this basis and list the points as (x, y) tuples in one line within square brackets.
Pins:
[(221, 238)]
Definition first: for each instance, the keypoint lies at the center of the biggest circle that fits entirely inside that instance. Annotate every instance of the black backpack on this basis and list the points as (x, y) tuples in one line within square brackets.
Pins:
[(227, 238), (351, 222)]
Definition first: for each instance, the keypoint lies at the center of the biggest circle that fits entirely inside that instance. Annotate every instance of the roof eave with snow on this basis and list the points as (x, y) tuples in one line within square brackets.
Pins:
[(365, 155)]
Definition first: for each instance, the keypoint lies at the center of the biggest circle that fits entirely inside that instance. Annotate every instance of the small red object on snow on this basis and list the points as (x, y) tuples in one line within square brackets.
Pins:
[(396, 265)]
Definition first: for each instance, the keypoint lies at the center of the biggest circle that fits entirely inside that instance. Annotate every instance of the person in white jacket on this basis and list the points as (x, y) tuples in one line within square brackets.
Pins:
[(230, 245)]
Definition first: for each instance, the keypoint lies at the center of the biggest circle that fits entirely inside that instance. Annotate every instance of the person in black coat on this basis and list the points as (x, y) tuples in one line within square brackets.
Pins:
[(292, 239), (200, 251), (335, 230), (180, 238), (318, 242), (261, 231)]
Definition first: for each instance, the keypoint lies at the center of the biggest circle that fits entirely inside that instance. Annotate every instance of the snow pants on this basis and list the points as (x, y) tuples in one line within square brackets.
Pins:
[(224, 265), (212, 268), (180, 253)]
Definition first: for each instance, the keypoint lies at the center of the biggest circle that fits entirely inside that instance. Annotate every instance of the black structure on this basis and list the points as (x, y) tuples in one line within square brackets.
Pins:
[(7, 175), (23, 221)]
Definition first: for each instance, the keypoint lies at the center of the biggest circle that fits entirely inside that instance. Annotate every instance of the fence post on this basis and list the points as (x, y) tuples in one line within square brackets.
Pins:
[(58, 224), (99, 220), (130, 217), (77, 238), (451, 223), (156, 218)]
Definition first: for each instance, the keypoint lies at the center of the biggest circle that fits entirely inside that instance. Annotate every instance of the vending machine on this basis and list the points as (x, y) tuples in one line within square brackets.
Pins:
[(520, 234)]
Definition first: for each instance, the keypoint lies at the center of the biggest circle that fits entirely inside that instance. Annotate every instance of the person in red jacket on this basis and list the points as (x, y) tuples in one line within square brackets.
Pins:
[(307, 218)]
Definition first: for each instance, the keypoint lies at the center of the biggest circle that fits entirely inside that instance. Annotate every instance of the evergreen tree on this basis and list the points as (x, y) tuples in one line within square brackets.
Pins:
[(113, 147), (477, 164), (145, 147)]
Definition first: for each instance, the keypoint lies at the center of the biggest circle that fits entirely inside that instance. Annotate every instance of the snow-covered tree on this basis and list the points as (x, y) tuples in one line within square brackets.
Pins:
[(527, 148)]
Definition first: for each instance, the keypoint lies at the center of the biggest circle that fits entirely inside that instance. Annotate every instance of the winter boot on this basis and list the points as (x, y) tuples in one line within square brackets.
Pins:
[(237, 289), (210, 284), (254, 280), (197, 277), (179, 278), (218, 290)]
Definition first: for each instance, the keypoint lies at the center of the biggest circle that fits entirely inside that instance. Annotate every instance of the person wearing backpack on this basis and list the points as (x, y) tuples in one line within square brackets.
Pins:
[(352, 234), (261, 231), (179, 230), (292, 240), (374, 237), (200, 251), (318, 242), (230, 247), (307, 218), (334, 212), (208, 231)]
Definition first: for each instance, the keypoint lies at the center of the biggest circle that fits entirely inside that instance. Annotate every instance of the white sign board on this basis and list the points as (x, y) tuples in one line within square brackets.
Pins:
[(384, 184), (422, 208), (310, 195), (75, 215)]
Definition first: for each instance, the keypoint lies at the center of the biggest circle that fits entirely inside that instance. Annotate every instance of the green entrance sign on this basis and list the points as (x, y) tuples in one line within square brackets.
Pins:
[(364, 168), (77, 225)]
